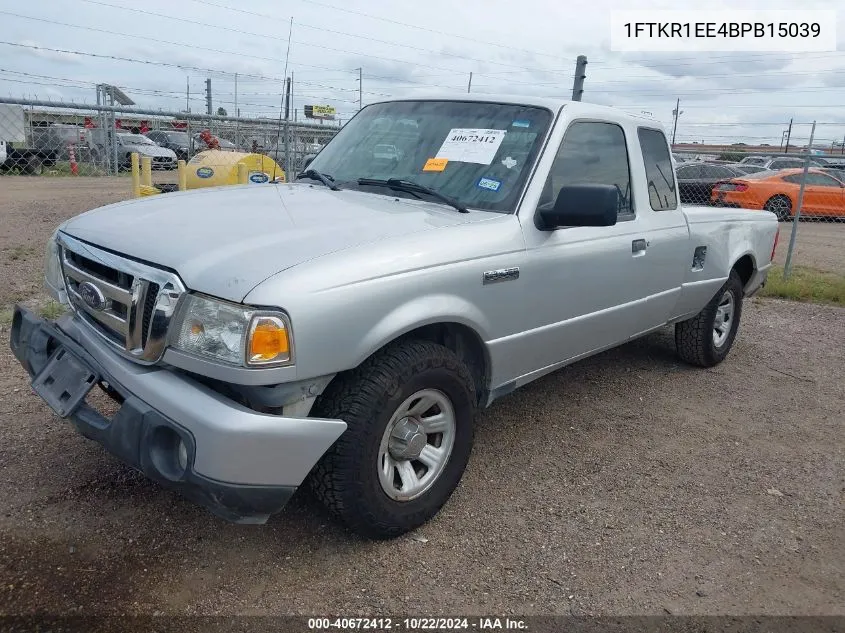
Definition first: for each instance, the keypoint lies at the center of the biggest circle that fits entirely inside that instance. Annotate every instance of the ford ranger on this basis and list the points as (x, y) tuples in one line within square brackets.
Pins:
[(341, 330)]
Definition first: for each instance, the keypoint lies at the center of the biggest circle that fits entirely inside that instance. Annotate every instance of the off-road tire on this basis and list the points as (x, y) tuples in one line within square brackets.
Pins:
[(346, 478), (694, 337)]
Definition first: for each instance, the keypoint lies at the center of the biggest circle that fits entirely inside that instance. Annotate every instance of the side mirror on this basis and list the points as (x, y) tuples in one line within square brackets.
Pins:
[(581, 205)]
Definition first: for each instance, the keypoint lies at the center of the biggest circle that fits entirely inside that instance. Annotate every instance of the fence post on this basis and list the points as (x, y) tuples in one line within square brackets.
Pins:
[(787, 267), (183, 175), (242, 174), (136, 176), (147, 171)]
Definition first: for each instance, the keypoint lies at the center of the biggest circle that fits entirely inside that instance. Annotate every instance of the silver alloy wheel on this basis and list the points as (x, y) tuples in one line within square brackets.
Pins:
[(724, 319), (416, 444)]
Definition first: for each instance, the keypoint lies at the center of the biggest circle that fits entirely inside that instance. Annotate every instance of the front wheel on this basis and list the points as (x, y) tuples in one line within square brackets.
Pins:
[(706, 339), (409, 412)]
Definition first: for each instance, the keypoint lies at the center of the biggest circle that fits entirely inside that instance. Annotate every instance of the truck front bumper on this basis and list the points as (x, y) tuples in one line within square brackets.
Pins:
[(240, 464)]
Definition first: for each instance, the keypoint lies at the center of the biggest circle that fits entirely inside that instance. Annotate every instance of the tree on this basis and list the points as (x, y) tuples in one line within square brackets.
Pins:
[(221, 112)]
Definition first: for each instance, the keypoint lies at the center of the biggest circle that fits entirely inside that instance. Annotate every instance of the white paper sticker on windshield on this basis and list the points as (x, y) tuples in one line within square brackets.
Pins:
[(465, 145)]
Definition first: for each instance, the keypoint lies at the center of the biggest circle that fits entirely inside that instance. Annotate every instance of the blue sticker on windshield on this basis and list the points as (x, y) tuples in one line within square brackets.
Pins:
[(489, 184), (521, 123)]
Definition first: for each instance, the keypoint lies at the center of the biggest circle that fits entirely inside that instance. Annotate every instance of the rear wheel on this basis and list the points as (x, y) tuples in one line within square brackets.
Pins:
[(706, 339), (781, 206), (409, 411)]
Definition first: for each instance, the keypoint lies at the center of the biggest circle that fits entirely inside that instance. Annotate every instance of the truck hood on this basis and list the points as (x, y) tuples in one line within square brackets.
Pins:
[(224, 241)]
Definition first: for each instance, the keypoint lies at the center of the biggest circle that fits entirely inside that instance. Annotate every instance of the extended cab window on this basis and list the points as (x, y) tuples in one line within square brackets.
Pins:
[(658, 170), (592, 153)]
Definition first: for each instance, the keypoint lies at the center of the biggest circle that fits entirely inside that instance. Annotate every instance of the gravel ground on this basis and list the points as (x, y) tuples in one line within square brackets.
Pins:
[(625, 484)]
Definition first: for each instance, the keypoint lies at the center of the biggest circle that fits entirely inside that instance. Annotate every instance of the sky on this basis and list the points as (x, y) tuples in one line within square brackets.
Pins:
[(162, 51)]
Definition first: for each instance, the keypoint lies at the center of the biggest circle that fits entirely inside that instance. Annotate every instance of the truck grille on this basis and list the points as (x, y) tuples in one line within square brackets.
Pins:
[(128, 303)]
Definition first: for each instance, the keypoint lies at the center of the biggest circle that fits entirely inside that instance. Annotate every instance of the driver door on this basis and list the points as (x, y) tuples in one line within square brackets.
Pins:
[(586, 287)]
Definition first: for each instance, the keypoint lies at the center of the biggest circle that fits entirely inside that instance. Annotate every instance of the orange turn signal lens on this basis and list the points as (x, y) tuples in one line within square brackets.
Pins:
[(268, 341)]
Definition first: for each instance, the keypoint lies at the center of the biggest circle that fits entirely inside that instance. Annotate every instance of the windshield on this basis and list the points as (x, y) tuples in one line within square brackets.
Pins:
[(480, 154), (134, 139), (178, 137)]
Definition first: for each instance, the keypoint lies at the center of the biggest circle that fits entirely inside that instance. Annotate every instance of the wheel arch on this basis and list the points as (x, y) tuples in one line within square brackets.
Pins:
[(462, 335), (745, 266)]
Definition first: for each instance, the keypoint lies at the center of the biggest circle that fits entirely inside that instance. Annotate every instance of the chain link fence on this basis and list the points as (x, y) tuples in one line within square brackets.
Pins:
[(803, 186), (44, 138), (801, 183)]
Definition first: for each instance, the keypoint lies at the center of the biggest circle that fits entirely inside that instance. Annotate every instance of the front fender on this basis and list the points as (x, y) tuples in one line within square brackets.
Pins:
[(419, 312)]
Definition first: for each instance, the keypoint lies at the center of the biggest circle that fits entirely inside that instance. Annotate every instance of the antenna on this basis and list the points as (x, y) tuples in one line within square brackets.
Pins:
[(282, 104)]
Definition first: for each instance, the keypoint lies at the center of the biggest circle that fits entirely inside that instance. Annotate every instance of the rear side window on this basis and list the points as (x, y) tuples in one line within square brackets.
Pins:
[(658, 169)]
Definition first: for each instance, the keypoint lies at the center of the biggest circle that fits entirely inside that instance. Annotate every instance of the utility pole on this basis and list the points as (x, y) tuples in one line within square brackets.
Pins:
[(843, 145), (469, 85), (188, 94), (287, 136), (580, 75), (677, 113), (208, 96), (787, 266), (782, 139), (360, 87), (788, 134)]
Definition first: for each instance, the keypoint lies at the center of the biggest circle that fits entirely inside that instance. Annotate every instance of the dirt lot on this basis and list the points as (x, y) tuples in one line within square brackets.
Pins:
[(625, 484)]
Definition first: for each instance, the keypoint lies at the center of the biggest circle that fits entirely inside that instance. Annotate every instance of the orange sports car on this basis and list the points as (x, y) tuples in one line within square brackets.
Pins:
[(777, 191)]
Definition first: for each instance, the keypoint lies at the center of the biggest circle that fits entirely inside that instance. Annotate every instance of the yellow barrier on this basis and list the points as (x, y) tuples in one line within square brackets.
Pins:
[(136, 176), (147, 171), (183, 175), (212, 168), (242, 173), (149, 190)]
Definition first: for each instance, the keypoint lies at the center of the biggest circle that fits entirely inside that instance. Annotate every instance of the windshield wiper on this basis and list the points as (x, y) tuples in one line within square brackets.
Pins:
[(313, 174), (398, 184)]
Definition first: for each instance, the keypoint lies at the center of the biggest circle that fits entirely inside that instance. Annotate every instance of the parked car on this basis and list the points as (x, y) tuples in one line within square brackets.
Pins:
[(696, 180), (57, 138), (127, 144), (824, 194), (747, 168), (345, 328), (754, 160), (177, 141)]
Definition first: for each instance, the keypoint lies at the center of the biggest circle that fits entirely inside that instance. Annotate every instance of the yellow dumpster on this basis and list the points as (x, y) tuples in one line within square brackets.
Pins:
[(212, 168)]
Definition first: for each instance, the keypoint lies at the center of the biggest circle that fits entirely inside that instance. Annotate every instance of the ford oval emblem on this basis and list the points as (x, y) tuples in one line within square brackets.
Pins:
[(205, 172), (91, 295)]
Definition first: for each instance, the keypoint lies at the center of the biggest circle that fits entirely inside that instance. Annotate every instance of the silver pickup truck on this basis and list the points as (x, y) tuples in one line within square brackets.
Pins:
[(342, 330)]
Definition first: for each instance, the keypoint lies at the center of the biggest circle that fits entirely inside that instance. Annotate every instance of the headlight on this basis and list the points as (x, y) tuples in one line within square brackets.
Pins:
[(53, 270), (232, 333)]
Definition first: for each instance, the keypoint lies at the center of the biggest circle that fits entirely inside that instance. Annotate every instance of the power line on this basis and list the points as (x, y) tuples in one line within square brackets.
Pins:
[(308, 26), (149, 62), (413, 26), (225, 52)]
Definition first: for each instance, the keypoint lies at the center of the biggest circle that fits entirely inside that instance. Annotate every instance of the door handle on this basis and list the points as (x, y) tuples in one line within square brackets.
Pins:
[(638, 247)]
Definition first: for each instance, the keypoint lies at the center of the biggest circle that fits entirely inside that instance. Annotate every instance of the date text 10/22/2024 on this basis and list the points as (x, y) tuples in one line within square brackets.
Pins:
[(417, 624)]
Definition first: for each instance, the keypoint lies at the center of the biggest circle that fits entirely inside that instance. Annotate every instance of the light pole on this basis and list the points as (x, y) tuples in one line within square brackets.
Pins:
[(676, 113)]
